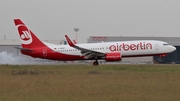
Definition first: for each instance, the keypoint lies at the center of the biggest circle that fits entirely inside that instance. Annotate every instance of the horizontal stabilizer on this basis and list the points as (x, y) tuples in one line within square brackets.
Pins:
[(24, 49)]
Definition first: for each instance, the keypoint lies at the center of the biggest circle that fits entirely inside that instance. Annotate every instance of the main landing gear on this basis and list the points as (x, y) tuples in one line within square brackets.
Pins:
[(95, 63)]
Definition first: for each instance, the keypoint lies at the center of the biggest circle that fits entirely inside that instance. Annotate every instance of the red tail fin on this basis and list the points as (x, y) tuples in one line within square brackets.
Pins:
[(27, 37)]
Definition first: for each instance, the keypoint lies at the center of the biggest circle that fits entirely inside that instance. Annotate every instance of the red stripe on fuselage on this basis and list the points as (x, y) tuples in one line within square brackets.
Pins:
[(143, 55), (47, 53)]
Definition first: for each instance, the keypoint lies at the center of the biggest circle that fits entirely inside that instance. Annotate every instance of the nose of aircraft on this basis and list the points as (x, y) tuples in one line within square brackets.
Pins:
[(172, 48)]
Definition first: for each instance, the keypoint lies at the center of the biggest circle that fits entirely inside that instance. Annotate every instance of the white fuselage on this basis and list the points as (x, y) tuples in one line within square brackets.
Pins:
[(126, 48)]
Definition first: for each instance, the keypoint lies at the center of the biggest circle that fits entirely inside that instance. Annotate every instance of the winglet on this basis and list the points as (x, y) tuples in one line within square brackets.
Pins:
[(69, 41)]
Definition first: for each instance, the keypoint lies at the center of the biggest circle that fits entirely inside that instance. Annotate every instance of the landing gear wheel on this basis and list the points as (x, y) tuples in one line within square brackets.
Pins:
[(96, 63)]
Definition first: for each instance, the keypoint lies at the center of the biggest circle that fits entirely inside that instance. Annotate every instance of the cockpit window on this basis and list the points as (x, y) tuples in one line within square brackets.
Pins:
[(165, 44)]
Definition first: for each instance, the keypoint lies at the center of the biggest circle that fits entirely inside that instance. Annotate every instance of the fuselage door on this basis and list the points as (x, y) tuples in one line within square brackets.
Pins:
[(44, 53), (156, 46)]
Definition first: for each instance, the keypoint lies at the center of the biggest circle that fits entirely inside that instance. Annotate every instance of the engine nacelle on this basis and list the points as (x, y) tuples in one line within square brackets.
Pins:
[(162, 55), (113, 56)]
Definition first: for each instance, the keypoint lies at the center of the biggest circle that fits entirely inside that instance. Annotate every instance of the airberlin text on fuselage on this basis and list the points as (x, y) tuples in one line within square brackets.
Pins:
[(127, 47)]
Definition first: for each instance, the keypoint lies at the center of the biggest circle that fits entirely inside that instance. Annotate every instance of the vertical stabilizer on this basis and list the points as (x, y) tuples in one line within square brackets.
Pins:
[(27, 37)]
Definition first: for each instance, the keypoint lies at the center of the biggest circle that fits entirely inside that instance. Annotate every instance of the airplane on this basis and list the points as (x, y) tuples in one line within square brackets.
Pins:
[(108, 51)]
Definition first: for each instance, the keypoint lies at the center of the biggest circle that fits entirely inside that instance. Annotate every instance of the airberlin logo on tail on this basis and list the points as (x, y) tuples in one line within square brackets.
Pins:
[(127, 47), (25, 35)]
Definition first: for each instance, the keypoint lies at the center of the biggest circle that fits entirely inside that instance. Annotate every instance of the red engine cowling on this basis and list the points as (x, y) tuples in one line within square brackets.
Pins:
[(162, 55), (113, 56)]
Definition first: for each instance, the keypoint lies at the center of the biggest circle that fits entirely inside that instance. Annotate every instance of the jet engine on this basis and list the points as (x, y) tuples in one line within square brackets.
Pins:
[(113, 56)]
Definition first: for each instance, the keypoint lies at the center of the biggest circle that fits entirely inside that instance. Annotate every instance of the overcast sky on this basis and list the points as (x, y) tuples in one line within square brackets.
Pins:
[(52, 19)]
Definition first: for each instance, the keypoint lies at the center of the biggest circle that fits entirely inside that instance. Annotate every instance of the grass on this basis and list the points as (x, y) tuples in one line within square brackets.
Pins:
[(89, 83)]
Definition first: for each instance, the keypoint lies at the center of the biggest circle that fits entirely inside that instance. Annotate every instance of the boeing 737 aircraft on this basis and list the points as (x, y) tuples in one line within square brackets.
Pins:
[(109, 51)]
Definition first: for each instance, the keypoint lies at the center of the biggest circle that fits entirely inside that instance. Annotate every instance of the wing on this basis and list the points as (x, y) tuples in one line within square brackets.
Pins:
[(87, 53)]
